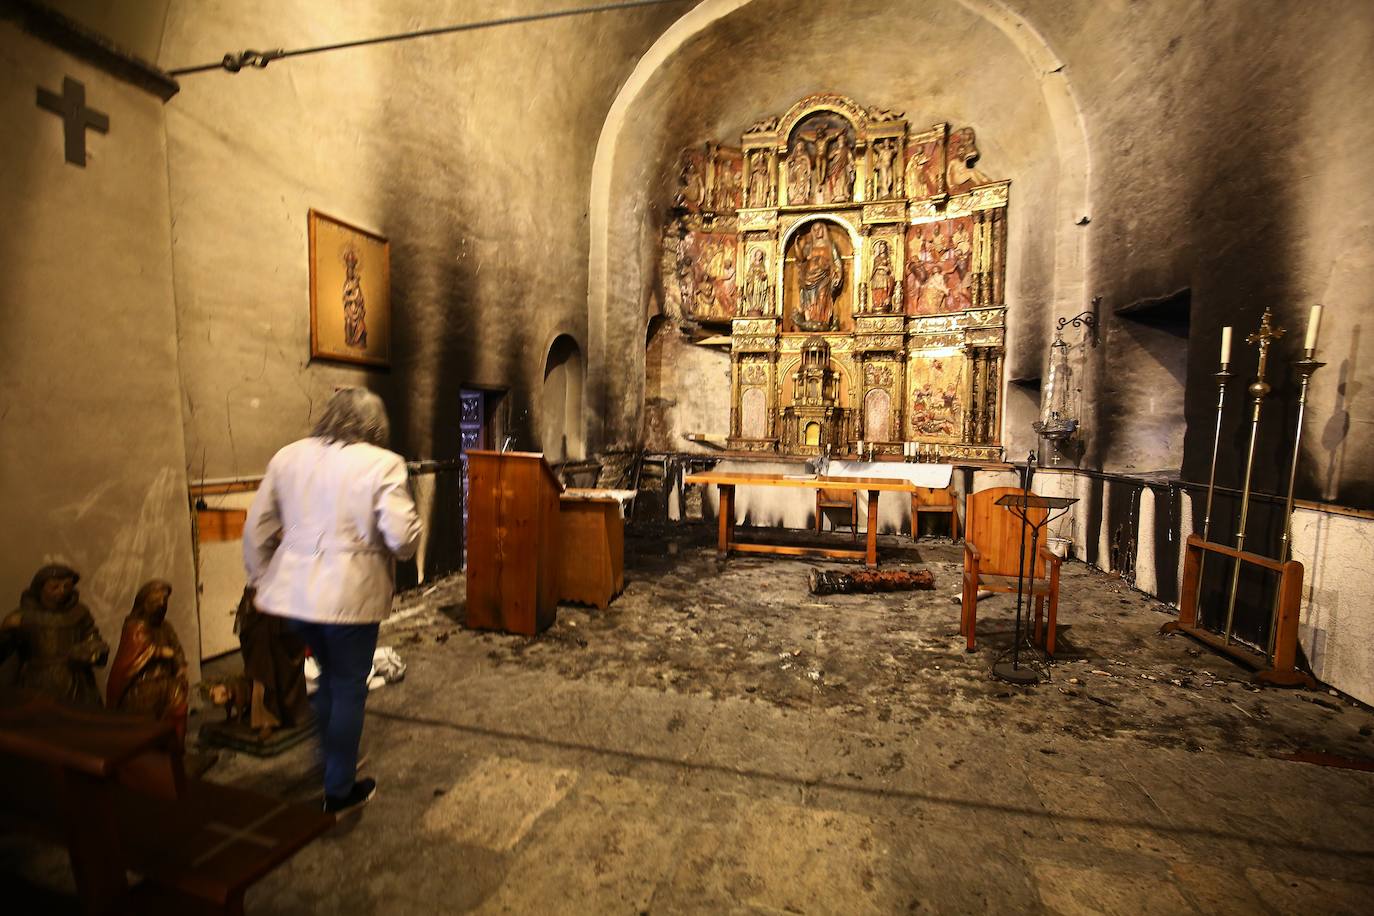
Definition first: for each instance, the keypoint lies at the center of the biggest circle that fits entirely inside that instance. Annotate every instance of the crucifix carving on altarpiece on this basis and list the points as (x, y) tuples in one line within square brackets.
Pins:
[(76, 117)]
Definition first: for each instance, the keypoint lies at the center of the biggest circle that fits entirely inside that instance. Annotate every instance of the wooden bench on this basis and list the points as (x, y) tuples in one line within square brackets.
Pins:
[(203, 851), (111, 788)]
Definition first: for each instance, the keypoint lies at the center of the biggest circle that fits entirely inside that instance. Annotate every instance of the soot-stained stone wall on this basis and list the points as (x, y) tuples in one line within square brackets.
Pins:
[(92, 471), (471, 152), (1230, 160)]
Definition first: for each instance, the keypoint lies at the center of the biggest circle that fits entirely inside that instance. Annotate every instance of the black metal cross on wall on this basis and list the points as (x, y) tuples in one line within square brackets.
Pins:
[(76, 117)]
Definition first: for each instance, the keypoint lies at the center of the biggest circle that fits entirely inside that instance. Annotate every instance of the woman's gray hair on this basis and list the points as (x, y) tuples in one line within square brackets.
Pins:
[(354, 415)]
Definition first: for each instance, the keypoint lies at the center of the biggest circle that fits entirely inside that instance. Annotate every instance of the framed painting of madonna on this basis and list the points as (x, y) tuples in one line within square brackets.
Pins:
[(350, 293)]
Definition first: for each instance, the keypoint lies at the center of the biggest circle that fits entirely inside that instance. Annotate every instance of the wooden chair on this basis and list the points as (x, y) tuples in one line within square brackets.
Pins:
[(938, 500), (838, 499), (992, 536)]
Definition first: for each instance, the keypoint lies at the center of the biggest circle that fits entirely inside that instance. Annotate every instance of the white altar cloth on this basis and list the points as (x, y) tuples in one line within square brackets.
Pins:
[(919, 474)]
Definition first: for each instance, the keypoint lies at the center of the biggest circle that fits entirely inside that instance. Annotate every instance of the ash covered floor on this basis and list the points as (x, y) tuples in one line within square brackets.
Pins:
[(719, 740)]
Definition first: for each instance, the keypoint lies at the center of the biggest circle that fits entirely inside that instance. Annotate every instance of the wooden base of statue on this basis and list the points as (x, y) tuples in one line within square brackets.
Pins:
[(591, 567), (512, 542), (240, 736), (1281, 670)]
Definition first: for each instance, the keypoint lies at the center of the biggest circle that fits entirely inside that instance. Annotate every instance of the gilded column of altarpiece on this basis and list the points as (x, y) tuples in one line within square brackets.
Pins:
[(840, 235)]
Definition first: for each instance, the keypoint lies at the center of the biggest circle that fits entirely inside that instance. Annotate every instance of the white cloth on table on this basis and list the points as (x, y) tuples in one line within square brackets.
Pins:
[(789, 507), (623, 497), (919, 474)]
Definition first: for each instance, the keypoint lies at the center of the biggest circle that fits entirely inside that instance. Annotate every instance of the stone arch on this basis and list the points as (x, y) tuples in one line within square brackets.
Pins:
[(562, 428)]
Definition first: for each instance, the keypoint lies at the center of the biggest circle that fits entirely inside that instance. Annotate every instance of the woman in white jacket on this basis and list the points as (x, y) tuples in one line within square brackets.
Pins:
[(331, 517)]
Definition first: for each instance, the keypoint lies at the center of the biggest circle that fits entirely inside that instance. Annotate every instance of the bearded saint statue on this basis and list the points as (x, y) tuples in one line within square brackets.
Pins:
[(56, 646), (148, 675)]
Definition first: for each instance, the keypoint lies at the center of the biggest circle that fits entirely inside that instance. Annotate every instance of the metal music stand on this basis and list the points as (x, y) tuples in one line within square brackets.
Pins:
[(1020, 505)]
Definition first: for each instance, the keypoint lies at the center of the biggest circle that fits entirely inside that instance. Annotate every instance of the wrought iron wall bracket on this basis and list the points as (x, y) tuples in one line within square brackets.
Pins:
[(1086, 319)]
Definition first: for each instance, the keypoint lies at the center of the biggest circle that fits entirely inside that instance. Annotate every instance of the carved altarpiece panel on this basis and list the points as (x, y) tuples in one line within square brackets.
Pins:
[(854, 236)]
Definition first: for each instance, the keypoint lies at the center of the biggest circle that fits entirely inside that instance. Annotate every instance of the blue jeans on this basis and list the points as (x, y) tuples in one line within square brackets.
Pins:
[(344, 652)]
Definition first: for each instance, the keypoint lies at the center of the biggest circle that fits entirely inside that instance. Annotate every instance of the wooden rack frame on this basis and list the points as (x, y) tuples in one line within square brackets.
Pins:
[(1281, 670)]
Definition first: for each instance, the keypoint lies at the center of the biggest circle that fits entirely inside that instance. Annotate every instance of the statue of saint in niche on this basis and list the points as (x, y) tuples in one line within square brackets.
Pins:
[(926, 277), (760, 182), (148, 675), (885, 177), (56, 643), (820, 275), (354, 309), (881, 279), (757, 289), (799, 168)]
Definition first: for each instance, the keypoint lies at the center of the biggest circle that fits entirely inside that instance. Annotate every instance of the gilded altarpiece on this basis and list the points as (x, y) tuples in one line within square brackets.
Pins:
[(853, 229)]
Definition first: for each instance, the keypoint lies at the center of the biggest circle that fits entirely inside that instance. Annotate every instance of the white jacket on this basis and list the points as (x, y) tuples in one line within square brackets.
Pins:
[(324, 531)]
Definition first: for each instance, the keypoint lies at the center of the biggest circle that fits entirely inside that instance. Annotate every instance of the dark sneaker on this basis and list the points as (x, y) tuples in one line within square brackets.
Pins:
[(361, 794)]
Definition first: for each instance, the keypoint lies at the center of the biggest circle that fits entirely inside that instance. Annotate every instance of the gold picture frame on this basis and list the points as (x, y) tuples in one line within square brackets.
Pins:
[(350, 293)]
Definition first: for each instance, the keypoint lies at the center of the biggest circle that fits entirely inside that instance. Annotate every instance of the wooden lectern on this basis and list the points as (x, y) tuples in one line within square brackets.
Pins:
[(513, 543), (592, 568)]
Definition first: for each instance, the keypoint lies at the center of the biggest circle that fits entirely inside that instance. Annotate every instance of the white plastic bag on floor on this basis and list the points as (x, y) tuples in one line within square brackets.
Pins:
[(387, 668)]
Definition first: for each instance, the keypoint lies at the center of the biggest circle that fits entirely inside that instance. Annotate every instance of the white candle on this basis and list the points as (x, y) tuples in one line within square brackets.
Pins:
[(1226, 345), (1314, 321), (861, 449)]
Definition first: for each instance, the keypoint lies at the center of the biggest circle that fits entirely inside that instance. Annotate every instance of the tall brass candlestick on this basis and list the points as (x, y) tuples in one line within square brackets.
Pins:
[(1222, 376), (1305, 366), (1258, 389)]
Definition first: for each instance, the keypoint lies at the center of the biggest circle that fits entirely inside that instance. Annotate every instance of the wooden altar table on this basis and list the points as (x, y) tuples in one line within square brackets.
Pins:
[(727, 481)]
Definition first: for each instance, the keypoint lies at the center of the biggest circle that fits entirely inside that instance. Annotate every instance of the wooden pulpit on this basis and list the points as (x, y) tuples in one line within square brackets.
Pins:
[(512, 542)]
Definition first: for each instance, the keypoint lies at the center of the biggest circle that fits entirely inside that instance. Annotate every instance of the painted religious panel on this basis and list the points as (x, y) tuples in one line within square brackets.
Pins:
[(818, 289), (820, 160), (350, 292), (939, 261), (699, 274), (937, 393), (925, 164), (711, 179)]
